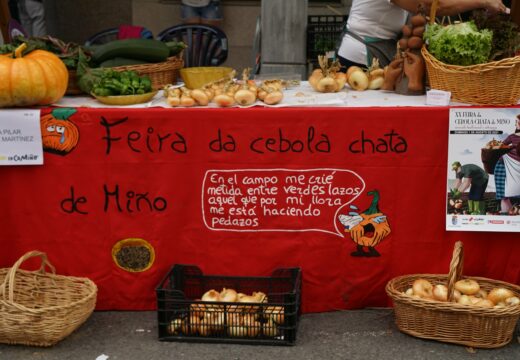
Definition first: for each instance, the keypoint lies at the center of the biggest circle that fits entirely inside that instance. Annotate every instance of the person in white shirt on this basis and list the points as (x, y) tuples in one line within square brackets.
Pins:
[(379, 23), (201, 12)]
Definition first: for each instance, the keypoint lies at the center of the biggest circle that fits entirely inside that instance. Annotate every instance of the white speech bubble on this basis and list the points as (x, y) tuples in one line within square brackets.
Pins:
[(234, 192)]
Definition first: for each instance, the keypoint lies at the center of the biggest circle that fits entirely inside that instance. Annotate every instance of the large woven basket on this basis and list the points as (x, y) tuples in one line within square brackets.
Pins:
[(449, 321), (492, 83), (160, 74), (39, 308)]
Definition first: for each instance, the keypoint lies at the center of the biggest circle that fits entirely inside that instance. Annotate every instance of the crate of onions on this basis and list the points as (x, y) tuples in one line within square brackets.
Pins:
[(229, 309), (472, 311)]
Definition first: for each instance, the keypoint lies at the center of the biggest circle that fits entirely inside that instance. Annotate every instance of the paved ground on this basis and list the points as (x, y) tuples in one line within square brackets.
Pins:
[(348, 335)]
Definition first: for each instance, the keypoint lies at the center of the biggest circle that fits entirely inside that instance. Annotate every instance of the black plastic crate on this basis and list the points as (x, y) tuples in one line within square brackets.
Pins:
[(271, 319), (323, 34)]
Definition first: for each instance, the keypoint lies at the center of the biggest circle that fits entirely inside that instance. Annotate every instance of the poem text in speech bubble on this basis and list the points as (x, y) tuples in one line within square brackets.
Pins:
[(277, 199)]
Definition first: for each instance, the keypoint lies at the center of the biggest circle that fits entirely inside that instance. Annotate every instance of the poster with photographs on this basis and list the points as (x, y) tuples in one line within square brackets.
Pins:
[(483, 187)]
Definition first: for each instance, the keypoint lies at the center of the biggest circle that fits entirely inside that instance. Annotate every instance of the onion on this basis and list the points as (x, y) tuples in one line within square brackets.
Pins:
[(456, 295), (228, 295), (198, 309), (211, 295), (174, 326), (326, 84), (224, 100), (467, 286), (273, 98), (173, 101), (191, 326), (465, 300), (484, 303), (245, 97), (499, 295), (440, 292), (187, 101), (376, 83), (512, 301), (270, 329), (200, 97), (423, 288), (482, 294), (276, 313)]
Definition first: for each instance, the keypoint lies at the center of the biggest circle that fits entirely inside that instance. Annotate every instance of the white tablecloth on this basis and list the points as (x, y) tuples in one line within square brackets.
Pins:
[(302, 95)]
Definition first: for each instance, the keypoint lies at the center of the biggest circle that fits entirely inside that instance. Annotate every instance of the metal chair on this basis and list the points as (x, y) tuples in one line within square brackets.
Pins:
[(206, 45), (111, 34)]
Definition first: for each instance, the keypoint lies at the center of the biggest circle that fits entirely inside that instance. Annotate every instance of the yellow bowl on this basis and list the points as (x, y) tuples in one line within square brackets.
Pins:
[(197, 77), (126, 99)]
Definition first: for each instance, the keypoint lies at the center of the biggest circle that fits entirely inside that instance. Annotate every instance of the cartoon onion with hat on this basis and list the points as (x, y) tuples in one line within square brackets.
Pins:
[(366, 229)]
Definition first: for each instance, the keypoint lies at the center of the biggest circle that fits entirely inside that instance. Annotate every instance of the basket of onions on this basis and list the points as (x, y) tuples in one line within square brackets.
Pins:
[(476, 312)]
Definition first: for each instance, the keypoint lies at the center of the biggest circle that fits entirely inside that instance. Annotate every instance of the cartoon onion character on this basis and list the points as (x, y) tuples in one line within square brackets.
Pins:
[(59, 134), (366, 229)]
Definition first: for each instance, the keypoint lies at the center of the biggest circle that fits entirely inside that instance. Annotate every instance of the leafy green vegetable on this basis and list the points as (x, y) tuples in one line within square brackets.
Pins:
[(67, 52), (459, 44), (506, 37), (107, 82)]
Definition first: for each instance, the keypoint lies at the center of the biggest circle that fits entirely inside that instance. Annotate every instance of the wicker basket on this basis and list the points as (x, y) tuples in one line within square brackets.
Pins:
[(160, 74), (492, 83), (39, 308), (72, 86), (452, 322), (490, 158)]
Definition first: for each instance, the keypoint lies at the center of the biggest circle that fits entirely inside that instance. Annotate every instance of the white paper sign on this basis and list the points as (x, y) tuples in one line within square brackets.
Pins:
[(438, 97), (20, 137)]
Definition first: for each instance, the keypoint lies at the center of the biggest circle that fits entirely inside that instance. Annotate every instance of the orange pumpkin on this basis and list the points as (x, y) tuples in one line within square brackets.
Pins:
[(38, 78), (59, 135)]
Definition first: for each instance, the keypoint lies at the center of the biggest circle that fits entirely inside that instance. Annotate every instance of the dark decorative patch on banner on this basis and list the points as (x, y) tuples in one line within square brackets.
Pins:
[(133, 255)]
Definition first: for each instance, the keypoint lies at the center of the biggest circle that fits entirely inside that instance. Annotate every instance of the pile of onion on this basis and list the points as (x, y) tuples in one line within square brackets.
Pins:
[(226, 92), (241, 319), (361, 80), (466, 292), (328, 77)]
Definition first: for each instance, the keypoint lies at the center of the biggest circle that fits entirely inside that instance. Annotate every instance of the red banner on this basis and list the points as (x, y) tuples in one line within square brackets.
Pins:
[(353, 196)]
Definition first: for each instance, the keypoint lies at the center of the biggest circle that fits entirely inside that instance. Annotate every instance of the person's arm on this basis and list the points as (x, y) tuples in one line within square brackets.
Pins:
[(466, 182), (452, 7), (457, 184)]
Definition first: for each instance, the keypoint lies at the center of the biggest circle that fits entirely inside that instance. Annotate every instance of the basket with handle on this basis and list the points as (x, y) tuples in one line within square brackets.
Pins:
[(40, 308), (491, 83), (449, 321), (160, 74)]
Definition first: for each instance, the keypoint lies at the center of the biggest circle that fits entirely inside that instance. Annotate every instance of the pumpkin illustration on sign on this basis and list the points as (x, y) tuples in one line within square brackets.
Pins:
[(59, 134), (368, 228)]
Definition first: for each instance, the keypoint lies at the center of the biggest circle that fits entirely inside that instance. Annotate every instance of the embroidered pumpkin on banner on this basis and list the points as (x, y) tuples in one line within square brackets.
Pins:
[(59, 134)]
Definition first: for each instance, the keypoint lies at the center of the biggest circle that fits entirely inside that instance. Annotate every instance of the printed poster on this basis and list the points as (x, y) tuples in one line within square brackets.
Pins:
[(483, 187)]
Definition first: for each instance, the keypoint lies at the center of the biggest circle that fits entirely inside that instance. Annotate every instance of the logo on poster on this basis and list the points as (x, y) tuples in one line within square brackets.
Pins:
[(497, 222), (454, 220)]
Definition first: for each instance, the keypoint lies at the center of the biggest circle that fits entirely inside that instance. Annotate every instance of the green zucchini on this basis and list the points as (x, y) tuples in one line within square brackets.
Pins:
[(140, 49), (121, 61), (175, 47)]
